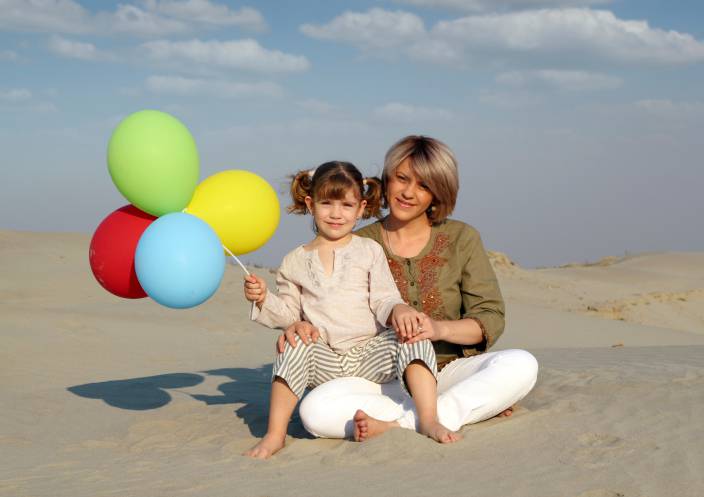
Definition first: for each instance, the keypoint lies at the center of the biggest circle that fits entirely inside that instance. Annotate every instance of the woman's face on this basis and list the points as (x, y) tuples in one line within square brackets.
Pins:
[(408, 197)]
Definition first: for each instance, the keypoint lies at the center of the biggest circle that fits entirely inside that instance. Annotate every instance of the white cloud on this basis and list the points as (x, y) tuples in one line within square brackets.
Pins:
[(510, 101), (561, 79), (44, 107), (237, 54), (65, 16), (316, 106), (74, 49), (15, 95), (671, 109), (370, 30), (130, 19), (499, 5), (399, 112), (207, 12), (8, 55), (156, 18), (579, 32), (177, 85), (582, 33)]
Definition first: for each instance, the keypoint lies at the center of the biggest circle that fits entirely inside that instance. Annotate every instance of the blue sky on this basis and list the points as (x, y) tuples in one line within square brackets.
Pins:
[(576, 123)]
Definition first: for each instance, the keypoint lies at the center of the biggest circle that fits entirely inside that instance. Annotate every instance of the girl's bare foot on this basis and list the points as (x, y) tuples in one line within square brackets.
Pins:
[(366, 427), (438, 432), (267, 447)]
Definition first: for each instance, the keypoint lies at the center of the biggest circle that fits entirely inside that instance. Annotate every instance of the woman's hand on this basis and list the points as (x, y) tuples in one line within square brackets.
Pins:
[(254, 289), (405, 321), (428, 329), (306, 331)]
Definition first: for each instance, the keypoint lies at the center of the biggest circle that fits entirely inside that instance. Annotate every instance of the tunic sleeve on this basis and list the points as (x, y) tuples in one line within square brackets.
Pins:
[(283, 309), (383, 293), (481, 297)]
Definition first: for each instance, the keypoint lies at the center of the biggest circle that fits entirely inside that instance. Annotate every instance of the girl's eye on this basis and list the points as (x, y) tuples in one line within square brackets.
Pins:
[(424, 186), (347, 204), (325, 202)]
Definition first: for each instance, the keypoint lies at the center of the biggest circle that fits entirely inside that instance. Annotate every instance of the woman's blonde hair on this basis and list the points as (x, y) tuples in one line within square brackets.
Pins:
[(331, 181), (435, 165)]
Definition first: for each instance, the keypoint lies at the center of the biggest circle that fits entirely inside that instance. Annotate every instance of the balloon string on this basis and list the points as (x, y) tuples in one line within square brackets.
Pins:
[(236, 259), (251, 309)]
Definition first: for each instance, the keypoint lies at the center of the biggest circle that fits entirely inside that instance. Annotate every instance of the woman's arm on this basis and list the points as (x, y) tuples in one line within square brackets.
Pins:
[(463, 331)]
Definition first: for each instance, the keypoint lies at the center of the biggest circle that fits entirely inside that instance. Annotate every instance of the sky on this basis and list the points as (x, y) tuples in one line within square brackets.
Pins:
[(576, 123)]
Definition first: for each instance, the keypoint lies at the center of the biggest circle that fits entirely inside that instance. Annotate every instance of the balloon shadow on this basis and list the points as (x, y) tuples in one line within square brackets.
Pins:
[(137, 394), (250, 387)]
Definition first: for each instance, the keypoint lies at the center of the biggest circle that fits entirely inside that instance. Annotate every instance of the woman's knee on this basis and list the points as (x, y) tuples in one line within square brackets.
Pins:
[(317, 410), (312, 411), (522, 363)]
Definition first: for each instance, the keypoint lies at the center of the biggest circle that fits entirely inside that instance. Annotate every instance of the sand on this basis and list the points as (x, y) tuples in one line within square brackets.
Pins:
[(103, 396)]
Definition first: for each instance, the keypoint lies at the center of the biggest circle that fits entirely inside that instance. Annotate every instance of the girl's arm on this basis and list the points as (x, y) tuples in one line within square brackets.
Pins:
[(282, 309)]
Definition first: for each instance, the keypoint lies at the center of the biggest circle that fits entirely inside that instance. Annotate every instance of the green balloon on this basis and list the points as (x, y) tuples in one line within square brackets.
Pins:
[(153, 161)]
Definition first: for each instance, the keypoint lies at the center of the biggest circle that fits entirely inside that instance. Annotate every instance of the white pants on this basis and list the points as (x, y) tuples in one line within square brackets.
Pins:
[(470, 390)]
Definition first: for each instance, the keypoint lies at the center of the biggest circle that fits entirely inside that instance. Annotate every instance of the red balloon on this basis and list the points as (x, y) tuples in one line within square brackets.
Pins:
[(112, 251)]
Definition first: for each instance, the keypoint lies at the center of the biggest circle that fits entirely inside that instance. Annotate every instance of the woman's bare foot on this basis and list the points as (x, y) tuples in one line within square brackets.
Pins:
[(267, 447), (506, 413), (366, 427), (438, 432)]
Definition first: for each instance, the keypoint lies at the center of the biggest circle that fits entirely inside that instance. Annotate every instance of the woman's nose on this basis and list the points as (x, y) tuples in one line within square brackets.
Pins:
[(408, 191)]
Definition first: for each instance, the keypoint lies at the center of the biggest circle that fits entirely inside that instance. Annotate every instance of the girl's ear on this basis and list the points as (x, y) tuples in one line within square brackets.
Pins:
[(309, 203), (362, 205)]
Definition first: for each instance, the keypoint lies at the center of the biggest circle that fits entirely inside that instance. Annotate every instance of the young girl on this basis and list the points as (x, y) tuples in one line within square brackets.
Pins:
[(341, 283)]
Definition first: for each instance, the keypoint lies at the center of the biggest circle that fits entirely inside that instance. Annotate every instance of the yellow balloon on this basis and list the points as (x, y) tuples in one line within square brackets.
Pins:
[(240, 206)]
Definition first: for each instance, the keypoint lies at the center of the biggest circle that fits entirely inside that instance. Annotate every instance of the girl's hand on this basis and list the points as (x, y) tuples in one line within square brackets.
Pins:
[(405, 321), (427, 330), (254, 289), (303, 329)]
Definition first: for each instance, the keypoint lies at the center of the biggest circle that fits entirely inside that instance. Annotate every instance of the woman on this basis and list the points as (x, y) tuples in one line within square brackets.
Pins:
[(441, 268)]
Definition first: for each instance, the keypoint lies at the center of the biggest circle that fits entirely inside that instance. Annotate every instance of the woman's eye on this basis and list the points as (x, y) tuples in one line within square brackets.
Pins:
[(424, 186)]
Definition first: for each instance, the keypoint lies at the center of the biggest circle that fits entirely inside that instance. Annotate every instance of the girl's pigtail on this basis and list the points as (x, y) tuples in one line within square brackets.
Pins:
[(301, 187), (373, 195)]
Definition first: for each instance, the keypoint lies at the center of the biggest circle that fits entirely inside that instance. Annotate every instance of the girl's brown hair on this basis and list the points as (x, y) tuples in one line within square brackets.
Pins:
[(435, 165), (331, 181)]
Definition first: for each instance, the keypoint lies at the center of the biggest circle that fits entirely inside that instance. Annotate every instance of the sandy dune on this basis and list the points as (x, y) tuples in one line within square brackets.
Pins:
[(103, 396)]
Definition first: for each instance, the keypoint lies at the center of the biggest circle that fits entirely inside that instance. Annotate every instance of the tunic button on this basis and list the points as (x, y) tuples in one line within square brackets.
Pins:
[(408, 262), (413, 283), (415, 302)]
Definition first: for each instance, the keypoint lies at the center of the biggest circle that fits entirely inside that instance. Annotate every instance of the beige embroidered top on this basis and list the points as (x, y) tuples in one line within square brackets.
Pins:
[(348, 307), (450, 279)]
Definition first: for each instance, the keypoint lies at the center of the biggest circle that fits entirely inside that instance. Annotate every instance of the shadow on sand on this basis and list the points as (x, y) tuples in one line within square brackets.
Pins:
[(249, 387)]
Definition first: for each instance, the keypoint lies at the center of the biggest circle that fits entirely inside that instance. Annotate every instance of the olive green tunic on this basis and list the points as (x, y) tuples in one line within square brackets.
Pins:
[(450, 279)]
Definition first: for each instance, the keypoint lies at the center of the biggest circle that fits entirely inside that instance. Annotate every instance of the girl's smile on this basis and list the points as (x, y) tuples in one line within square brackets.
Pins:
[(336, 218)]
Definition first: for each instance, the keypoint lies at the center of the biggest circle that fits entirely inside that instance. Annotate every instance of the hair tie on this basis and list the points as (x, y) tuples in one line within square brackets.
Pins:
[(365, 182), (311, 173)]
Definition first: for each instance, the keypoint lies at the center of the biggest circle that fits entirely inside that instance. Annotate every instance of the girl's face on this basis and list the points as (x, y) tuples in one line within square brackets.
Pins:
[(408, 197), (335, 219)]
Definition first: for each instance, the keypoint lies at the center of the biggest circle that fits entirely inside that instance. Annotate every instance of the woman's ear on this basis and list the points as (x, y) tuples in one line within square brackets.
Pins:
[(309, 203)]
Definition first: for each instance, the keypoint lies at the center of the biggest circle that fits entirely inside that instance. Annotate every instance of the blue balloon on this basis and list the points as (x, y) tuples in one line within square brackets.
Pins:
[(179, 261)]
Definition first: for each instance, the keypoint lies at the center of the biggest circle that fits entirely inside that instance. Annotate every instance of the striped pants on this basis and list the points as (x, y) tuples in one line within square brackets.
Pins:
[(380, 360)]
